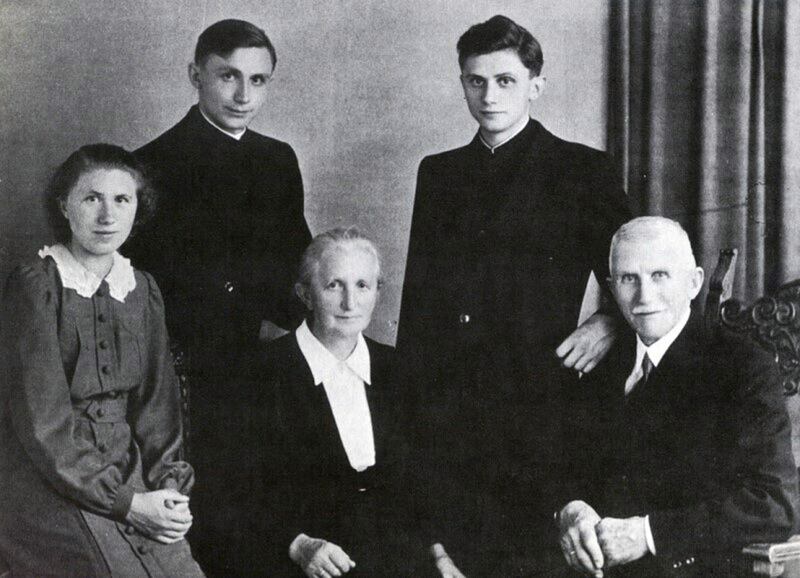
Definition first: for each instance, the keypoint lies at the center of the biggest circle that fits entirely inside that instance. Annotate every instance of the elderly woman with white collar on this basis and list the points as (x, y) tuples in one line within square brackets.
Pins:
[(332, 447), (90, 430)]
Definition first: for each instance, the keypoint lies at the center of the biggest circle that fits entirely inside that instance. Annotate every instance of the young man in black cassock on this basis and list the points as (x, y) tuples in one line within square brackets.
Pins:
[(224, 246), (505, 233)]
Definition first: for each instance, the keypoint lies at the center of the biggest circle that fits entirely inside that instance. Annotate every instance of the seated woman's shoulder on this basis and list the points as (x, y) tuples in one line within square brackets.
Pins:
[(378, 349), (32, 274)]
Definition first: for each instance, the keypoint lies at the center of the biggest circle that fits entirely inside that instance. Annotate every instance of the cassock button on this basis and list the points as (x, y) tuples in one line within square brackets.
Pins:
[(105, 369), (463, 318), (99, 292), (103, 344), (130, 530), (142, 549), (101, 318), (100, 412)]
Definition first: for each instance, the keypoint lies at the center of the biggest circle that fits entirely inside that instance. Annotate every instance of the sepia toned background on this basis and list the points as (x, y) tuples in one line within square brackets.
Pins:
[(363, 90)]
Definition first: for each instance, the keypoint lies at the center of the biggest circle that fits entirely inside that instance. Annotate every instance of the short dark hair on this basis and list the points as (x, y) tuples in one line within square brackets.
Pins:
[(501, 33), (86, 159), (225, 36)]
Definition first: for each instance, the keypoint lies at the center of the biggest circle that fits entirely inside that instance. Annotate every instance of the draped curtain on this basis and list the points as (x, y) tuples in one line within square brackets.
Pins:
[(704, 124)]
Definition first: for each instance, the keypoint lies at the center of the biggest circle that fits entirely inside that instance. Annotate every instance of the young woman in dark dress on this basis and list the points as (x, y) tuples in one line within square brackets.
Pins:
[(91, 483)]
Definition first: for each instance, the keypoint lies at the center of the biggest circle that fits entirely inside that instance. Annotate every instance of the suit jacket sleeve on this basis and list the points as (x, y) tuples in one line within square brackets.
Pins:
[(605, 208), (283, 308), (760, 505)]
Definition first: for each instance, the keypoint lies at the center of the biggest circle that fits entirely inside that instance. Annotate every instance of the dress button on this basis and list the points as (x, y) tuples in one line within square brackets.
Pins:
[(103, 344), (228, 286), (142, 549), (130, 530), (105, 369), (463, 318), (100, 412), (101, 318), (99, 292)]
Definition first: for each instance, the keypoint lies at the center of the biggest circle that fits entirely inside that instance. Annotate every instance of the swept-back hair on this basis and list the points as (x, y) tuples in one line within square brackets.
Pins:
[(89, 158), (225, 36), (501, 33)]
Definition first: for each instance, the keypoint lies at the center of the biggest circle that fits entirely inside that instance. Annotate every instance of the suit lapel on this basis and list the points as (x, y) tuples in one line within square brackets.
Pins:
[(376, 403), (672, 383), (316, 410)]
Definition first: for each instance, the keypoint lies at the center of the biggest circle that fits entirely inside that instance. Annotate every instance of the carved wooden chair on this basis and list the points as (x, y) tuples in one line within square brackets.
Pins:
[(774, 322), (181, 363)]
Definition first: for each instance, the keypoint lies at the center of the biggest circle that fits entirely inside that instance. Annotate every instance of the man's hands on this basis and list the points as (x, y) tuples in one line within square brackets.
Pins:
[(589, 343), (578, 538), (162, 515), (622, 541), (590, 543), (319, 558), (444, 564)]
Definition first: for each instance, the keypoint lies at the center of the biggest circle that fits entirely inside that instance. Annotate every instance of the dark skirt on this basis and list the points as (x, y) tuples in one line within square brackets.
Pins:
[(44, 534)]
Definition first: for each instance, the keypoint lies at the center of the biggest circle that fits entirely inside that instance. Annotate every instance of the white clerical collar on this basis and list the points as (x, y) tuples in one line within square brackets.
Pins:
[(121, 279), (324, 364), (657, 350), (233, 135), (498, 145)]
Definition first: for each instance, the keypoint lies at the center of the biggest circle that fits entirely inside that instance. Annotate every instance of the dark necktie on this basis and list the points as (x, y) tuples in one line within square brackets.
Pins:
[(647, 367)]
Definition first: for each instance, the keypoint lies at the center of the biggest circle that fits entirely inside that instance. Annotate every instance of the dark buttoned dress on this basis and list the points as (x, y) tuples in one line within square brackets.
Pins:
[(89, 415)]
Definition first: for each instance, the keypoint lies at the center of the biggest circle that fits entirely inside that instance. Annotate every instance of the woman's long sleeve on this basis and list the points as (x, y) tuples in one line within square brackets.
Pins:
[(154, 408), (40, 405)]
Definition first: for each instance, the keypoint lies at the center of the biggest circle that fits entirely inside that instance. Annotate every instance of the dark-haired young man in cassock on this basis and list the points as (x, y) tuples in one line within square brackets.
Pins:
[(223, 247), (505, 233)]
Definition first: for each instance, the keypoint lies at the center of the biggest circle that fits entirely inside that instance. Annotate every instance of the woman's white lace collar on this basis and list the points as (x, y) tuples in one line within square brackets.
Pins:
[(120, 278)]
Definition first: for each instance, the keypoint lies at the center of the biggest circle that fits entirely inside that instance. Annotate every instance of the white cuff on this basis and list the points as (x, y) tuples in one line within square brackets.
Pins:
[(648, 536)]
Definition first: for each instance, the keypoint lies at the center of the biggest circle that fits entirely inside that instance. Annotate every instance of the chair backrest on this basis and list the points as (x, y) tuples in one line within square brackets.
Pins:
[(181, 364), (772, 320)]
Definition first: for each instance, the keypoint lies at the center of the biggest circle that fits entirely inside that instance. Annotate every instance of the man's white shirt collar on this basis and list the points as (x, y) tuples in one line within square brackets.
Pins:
[(323, 363), (655, 352), (233, 135)]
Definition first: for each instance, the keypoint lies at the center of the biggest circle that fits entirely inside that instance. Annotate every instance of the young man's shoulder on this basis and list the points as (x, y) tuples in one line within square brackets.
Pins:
[(184, 134)]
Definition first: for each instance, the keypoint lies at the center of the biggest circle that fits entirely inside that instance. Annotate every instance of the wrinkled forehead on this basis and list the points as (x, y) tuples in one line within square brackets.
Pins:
[(349, 255), (653, 250)]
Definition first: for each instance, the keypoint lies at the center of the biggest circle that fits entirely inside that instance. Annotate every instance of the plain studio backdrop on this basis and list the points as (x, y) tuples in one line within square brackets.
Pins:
[(363, 89)]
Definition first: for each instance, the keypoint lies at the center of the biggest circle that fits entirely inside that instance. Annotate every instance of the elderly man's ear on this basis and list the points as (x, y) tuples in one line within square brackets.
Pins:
[(303, 294), (696, 281)]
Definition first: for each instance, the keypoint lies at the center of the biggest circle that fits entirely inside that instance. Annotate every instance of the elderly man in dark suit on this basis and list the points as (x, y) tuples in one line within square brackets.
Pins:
[(682, 450), (505, 233), (223, 247)]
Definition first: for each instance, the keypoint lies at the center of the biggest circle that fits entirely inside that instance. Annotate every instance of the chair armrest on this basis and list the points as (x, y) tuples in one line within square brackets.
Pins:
[(774, 559)]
